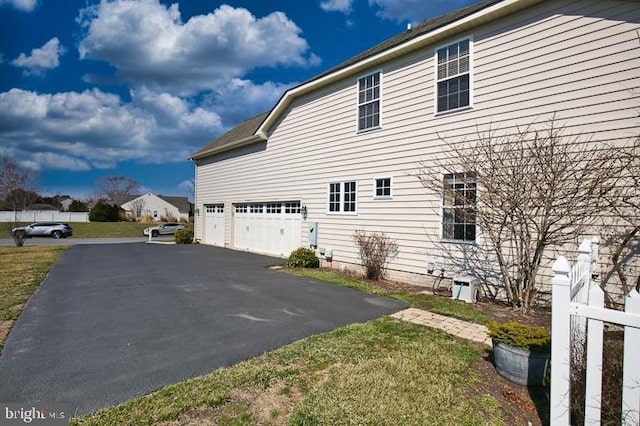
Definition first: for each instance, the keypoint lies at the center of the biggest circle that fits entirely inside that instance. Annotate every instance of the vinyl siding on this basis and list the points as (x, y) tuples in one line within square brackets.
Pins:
[(579, 60)]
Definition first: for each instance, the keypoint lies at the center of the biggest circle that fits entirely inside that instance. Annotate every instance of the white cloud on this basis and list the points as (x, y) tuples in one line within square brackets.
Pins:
[(93, 129), (414, 10), (187, 186), (344, 6), (241, 99), (41, 59), (24, 5), (149, 45)]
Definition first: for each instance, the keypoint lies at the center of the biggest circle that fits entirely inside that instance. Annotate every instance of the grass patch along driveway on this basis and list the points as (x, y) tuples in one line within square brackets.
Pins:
[(380, 372), (437, 305), (22, 270)]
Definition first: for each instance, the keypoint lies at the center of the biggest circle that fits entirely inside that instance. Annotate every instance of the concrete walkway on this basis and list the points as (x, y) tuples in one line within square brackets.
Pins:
[(466, 330)]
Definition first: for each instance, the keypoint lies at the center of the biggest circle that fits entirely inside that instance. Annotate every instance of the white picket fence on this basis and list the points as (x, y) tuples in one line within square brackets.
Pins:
[(43, 216), (578, 304)]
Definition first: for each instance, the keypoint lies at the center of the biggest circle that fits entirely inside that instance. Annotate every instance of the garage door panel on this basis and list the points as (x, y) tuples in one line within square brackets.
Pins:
[(214, 224), (267, 227)]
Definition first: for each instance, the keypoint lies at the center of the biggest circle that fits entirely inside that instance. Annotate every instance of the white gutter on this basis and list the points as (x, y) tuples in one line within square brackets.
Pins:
[(492, 12)]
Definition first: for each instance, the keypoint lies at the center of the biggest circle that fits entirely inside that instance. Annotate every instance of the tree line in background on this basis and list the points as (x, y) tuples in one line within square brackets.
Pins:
[(19, 191)]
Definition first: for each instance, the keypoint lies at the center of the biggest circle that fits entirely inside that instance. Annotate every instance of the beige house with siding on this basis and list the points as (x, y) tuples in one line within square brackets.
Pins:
[(341, 151)]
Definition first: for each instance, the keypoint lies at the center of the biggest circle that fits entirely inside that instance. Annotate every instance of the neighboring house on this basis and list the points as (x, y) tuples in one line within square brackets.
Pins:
[(341, 151), (159, 207)]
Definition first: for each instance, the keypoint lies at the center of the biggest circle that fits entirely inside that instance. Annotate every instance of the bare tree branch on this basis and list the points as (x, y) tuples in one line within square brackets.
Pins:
[(537, 188)]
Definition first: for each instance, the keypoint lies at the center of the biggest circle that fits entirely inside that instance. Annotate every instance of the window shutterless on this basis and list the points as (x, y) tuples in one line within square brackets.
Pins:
[(369, 102), (453, 76), (342, 197), (459, 207)]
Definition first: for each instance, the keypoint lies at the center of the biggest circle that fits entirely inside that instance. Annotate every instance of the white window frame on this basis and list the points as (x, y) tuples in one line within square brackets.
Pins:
[(341, 204), (358, 104), (444, 206), (436, 80), (375, 188)]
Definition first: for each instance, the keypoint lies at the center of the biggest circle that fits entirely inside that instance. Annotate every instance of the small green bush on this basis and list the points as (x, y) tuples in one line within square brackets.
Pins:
[(303, 258), (520, 335), (184, 236)]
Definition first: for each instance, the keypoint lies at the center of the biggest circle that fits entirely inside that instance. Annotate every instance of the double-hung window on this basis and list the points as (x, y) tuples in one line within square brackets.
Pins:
[(453, 76), (369, 102), (342, 197), (459, 207)]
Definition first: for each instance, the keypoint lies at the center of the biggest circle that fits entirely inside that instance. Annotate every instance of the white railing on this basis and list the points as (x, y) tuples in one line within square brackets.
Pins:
[(577, 312), (43, 216)]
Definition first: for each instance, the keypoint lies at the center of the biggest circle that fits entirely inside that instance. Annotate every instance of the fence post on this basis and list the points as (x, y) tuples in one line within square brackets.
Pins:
[(593, 384), (631, 369), (560, 342)]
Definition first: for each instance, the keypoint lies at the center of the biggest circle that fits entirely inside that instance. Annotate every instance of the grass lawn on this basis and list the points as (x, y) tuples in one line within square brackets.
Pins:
[(380, 372), (108, 229), (105, 229), (22, 270), (438, 305)]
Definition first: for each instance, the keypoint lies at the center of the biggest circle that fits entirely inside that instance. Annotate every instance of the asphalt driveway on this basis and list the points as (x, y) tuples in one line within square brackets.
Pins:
[(111, 322)]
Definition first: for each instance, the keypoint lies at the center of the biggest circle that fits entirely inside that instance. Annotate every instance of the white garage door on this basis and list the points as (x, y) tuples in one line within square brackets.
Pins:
[(272, 228), (214, 224)]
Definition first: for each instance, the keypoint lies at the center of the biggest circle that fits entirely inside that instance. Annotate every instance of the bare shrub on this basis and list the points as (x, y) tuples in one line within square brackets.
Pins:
[(537, 188), (147, 218), (376, 251)]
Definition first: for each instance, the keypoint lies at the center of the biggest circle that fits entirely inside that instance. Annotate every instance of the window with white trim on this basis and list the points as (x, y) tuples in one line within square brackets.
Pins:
[(255, 208), (342, 197), (383, 188), (241, 208), (459, 207), (369, 102), (453, 76)]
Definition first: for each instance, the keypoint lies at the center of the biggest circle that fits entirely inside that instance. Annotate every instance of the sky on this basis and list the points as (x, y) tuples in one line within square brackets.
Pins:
[(93, 88)]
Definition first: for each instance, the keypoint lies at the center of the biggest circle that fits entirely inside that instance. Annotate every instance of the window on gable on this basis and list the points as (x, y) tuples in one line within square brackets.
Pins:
[(369, 102), (342, 197), (453, 76), (459, 207), (383, 187)]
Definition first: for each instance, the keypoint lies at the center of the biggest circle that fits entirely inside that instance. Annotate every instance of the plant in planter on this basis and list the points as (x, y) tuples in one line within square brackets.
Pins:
[(521, 353)]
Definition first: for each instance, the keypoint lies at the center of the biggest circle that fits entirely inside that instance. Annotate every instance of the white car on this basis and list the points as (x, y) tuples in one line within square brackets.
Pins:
[(168, 228)]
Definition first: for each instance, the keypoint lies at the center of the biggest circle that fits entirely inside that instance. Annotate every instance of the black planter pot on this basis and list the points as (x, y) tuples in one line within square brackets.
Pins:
[(520, 365)]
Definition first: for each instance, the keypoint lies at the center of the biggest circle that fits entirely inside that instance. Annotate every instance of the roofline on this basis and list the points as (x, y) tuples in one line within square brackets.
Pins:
[(497, 10), (258, 137)]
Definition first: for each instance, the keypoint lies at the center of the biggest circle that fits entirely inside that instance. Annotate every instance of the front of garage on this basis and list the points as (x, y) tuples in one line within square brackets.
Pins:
[(273, 227), (214, 222)]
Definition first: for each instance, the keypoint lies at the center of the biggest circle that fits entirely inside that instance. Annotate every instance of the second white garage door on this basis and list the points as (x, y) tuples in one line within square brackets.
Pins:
[(271, 228)]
